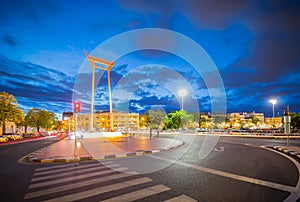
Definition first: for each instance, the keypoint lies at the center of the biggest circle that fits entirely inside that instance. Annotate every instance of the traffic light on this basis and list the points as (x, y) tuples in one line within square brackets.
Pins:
[(76, 107)]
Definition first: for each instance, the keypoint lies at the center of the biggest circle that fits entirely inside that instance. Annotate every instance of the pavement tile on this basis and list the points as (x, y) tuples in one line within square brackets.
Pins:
[(101, 148)]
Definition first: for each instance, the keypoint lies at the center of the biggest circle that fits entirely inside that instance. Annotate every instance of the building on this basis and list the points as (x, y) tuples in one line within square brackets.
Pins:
[(260, 116), (274, 121), (67, 115), (122, 121), (10, 127)]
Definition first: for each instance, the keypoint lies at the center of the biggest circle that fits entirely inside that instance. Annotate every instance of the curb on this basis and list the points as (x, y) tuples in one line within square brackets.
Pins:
[(32, 158), (287, 151)]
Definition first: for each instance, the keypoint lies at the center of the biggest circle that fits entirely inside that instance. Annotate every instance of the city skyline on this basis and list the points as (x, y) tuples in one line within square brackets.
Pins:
[(253, 45)]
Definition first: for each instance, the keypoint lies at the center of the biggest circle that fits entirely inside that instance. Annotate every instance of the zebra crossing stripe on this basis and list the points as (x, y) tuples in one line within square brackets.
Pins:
[(62, 174), (101, 190), (181, 198), (55, 167), (66, 169), (71, 186), (68, 179), (139, 194)]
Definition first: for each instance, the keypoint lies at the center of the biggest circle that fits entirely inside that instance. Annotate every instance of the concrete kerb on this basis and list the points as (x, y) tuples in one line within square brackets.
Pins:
[(33, 158), (249, 135), (287, 151)]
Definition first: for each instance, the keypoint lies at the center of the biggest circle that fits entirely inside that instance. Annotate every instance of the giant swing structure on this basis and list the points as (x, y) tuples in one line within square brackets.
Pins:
[(104, 65)]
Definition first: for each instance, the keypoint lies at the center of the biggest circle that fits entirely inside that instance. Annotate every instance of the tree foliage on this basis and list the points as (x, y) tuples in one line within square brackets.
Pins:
[(255, 120), (9, 110), (40, 118), (155, 119), (295, 121), (179, 119)]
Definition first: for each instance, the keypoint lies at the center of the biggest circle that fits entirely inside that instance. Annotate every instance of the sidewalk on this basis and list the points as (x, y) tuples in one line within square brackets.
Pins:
[(101, 148)]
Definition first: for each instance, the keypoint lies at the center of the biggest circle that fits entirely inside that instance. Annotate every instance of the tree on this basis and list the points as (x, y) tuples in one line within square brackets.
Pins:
[(203, 122), (155, 119), (295, 121), (47, 119), (178, 119), (173, 120), (19, 121), (186, 119), (255, 120), (40, 118), (9, 110), (218, 121)]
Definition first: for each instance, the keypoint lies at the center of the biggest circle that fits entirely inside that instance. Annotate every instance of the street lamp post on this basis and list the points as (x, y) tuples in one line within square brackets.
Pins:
[(182, 93), (273, 102)]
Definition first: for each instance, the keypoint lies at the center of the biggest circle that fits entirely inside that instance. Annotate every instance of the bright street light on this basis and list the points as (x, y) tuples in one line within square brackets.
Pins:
[(182, 93), (273, 102)]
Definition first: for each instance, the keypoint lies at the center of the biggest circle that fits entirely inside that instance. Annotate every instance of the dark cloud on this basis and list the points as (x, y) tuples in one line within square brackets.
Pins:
[(256, 96), (28, 9), (271, 59), (10, 40), (40, 85), (203, 13), (148, 102), (214, 13), (276, 17), (255, 44)]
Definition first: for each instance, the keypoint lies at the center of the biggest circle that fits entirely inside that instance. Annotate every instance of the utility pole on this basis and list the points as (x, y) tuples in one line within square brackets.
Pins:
[(287, 124)]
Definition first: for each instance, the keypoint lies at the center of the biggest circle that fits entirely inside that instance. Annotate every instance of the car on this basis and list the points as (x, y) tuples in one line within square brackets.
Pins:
[(60, 134), (71, 136), (13, 137), (3, 139)]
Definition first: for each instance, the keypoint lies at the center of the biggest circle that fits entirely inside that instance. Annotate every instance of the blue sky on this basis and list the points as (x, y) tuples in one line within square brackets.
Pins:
[(254, 45)]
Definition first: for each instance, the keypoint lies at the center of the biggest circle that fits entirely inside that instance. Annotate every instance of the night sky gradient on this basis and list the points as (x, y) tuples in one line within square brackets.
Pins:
[(254, 44)]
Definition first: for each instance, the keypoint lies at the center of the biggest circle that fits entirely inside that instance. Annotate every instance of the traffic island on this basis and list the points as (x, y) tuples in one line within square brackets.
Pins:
[(100, 148)]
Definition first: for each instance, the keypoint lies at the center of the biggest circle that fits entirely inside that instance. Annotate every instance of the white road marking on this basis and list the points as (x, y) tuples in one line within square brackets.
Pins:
[(68, 179), (75, 172), (101, 190), (55, 167), (295, 195), (181, 198), (71, 186), (66, 169), (232, 176), (220, 149), (139, 194)]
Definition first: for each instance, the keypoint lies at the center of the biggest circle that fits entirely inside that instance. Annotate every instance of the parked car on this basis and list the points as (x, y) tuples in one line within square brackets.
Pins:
[(60, 134), (13, 137), (3, 139)]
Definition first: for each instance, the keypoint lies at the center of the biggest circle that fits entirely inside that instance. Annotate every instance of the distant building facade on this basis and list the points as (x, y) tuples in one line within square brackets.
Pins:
[(67, 115), (275, 121), (122, 121)]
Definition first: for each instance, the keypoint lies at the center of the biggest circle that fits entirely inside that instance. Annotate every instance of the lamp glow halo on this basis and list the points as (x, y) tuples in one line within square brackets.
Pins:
[(170, 42)]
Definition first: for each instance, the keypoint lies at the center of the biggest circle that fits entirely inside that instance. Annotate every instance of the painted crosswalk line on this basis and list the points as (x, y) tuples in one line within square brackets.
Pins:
[(71, 182), (139, 194)]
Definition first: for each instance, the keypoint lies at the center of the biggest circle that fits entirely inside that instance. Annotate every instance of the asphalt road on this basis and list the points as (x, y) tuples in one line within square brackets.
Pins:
[(261, 141), (15, 177), (231, 171)]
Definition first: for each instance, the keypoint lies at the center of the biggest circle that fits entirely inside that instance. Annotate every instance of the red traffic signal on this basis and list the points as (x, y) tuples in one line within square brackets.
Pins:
[(76, 107)]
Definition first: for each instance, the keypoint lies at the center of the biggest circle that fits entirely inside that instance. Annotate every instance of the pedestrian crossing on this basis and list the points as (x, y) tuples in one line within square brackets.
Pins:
[(94, 181)]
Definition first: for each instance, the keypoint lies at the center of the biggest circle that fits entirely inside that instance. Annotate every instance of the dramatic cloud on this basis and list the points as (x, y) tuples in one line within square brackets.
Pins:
[(35, 85), (254, 44)]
